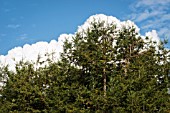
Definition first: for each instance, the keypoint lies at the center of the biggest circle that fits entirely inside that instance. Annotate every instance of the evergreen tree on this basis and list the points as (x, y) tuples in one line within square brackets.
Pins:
[(24, 90), (130, 69), (102, 70)]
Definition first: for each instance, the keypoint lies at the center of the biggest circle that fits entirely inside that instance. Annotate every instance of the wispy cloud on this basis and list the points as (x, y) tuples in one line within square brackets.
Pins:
[(148, 14), (151, 2), (152, 14), (13, 26), (23, 37)]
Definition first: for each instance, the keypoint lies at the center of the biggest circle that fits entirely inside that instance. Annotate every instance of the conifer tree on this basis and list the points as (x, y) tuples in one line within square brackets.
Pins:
[(102, 70), (130, 69)]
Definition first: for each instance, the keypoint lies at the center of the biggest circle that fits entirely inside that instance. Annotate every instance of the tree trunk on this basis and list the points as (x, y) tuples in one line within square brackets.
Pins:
[(104, 81), (104, 69)]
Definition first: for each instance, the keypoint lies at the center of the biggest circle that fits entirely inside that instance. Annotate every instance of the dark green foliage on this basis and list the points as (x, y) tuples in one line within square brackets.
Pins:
[(102, 70), (24, 90)]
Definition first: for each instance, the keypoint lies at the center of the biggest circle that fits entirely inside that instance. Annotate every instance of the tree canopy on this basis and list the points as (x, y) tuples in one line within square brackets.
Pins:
[(100, 70)]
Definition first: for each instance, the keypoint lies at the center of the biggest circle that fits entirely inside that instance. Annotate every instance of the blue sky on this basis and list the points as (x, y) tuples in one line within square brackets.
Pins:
[(30, 21)]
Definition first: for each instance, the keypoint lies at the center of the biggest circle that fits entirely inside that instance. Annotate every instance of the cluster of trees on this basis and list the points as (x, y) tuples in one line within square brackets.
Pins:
[(101, 70)]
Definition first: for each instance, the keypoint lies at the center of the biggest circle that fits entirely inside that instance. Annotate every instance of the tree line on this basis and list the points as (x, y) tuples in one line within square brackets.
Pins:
[(100, 70)]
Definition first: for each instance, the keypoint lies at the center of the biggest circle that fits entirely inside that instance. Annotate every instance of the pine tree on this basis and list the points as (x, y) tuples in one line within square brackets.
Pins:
[(130, 69), (24, 90), (102, 70)]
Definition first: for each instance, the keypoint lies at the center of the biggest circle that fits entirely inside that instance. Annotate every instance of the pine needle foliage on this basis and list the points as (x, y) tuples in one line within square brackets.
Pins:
[(102, 70)]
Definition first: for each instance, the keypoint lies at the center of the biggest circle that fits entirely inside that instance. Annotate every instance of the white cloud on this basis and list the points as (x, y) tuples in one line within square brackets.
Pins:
[(30, 52), (153, 36), (108, 20), (13, 26), (99, 18), (146, 14)]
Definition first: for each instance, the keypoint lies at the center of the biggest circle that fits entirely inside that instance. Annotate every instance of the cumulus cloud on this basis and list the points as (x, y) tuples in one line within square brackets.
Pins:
[(108, 20), (152, 14), (153, 36), (32, 52)]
